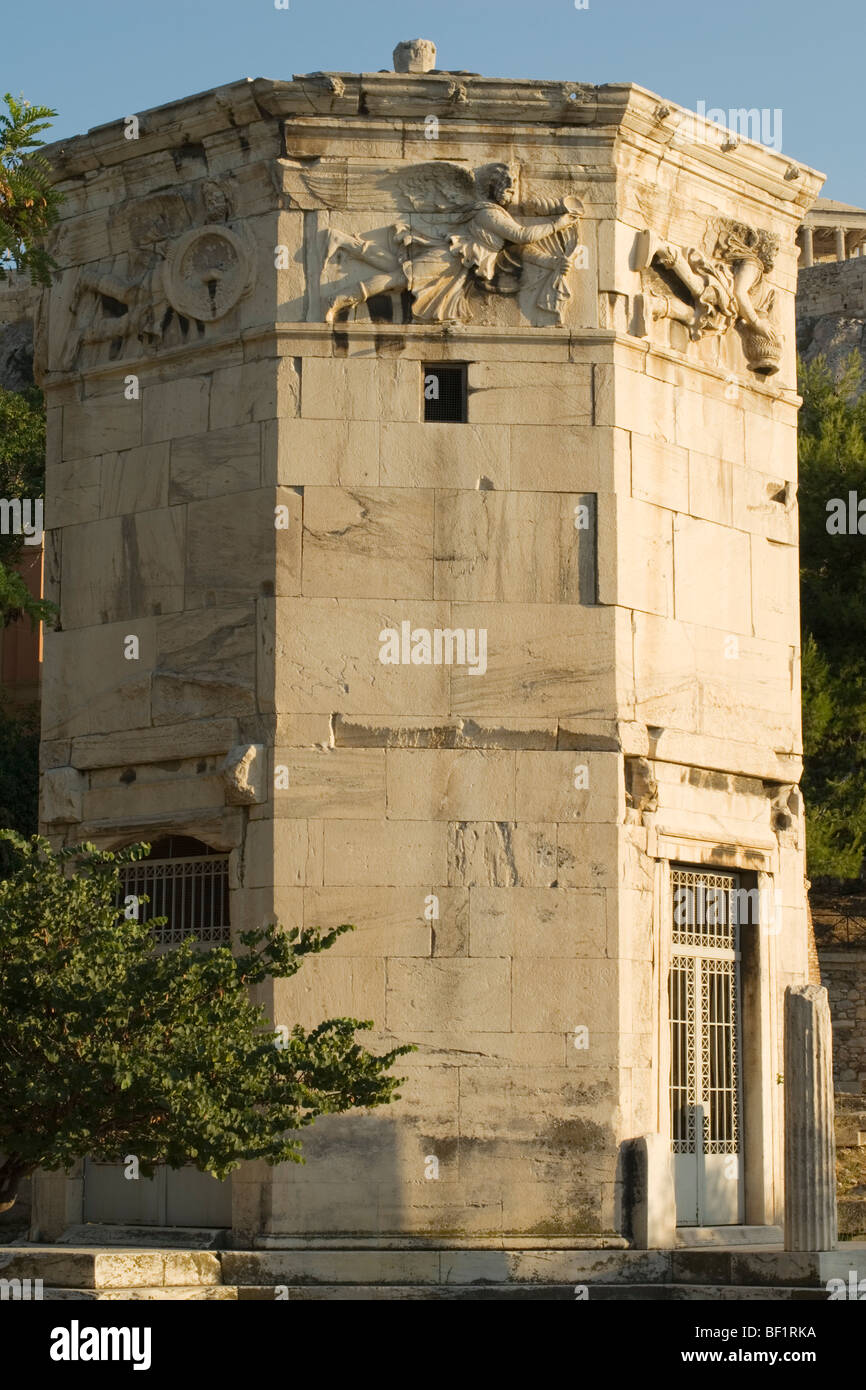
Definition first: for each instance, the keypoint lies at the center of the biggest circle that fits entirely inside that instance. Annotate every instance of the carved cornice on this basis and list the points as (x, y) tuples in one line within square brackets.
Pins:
[(460, 100)]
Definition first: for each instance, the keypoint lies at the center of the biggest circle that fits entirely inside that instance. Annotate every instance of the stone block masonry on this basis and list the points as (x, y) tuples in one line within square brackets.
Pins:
[(599, 542)]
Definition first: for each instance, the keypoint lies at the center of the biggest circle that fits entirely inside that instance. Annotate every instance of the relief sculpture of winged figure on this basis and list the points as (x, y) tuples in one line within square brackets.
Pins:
[(459, 234), (722, 290)]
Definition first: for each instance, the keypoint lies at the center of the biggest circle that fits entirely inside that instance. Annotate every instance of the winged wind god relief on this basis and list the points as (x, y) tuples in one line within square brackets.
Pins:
[(174, 281), (714, 293), (463, 237)]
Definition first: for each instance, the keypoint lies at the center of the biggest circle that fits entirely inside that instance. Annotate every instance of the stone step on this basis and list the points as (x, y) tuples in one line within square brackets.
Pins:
[(61, 1266), (442, 1273), (147, 1237), (691, 1236), (597, 1293), (366, 1293), (435, 1266), (744, 1267), (197, 1293)]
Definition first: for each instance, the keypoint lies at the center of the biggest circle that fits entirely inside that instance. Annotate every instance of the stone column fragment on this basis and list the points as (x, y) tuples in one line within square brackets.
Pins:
[(810, 1141), (654, 1213)]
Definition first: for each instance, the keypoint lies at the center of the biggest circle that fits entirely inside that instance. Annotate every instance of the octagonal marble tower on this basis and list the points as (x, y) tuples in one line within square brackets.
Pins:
[(434, 437)]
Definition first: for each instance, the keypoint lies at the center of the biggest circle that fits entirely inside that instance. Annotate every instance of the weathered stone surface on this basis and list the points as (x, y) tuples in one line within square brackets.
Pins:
[(324, 453), (361, 389), (374, 853), (263, 390), (175, 409), (515, 547), (388, 922), (655, 1215), (520, 394), (539, 923), (127, 567), (575, 786), (100, 426), (153, 745), (136, 480), (240, 476), (368, 543), (501, 854), (330, 783), (447, 785), (90, 687), (472, 994), (444, 455), (215, 463), (810, 1141), (62, 792), (234, 549), (244, 772)]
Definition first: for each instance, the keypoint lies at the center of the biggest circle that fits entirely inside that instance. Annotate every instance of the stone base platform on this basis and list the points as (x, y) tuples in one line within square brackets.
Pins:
[(342, 1274)]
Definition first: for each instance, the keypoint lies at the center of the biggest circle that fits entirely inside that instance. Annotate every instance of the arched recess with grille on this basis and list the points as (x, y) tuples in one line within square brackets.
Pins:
[(185, 881)]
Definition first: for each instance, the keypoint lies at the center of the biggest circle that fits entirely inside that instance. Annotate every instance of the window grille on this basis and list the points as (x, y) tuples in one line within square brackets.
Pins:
[(192, 893), (445, 393), (705, 908), (683, 1055), (704, 1012)]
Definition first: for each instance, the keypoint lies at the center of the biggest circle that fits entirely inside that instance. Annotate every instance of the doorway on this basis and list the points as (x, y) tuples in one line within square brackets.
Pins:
[(705, 1021)]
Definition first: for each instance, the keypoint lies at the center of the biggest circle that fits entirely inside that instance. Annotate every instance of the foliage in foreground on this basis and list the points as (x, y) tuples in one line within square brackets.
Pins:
[(109, 1047)]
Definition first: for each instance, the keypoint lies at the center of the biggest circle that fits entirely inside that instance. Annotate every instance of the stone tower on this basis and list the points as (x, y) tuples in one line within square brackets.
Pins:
[(434, 437)]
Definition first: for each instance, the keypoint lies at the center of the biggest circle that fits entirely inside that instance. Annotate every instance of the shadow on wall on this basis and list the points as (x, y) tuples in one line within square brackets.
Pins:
[(380, 1175)]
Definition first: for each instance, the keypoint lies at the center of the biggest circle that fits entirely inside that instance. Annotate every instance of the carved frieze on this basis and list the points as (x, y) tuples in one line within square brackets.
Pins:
[(462, 235), (713, 293), (207, 272), (185, 269)]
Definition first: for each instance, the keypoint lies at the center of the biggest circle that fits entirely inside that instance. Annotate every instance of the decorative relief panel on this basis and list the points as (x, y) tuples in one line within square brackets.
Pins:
[(207, 272), (464, 235), (714, 293), (177, 279)]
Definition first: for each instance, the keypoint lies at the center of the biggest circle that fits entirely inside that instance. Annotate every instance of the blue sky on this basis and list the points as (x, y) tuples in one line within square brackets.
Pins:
[(97, 60)]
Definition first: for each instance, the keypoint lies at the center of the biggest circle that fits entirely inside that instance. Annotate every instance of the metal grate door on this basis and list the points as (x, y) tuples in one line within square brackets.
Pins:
[(705, 1044)]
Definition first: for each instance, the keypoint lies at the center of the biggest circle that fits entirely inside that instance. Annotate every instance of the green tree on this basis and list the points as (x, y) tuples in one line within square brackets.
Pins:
[(29, 206), (110, 1047), (19, 774), (833, 599), (22, 476)]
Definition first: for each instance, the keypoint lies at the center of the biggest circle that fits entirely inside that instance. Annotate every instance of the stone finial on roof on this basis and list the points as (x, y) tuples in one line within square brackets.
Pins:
[(415, 55)]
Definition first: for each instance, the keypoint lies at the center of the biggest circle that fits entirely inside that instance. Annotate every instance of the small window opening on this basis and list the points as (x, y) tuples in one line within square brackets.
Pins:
[(445, 392)]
